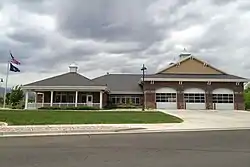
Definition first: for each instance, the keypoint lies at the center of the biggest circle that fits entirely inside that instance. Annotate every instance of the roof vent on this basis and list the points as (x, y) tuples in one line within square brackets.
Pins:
[(184, 54), (73, 67)]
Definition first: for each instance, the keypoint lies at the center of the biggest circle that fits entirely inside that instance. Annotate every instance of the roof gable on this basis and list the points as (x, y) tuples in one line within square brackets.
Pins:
[(67, 79), (191, 65)]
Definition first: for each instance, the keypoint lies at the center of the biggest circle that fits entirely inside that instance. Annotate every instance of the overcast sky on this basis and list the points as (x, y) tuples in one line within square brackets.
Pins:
[(118, 36)]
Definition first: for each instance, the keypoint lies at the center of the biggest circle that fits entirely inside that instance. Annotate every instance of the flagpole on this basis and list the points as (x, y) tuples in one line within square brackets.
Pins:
[(6, 84)]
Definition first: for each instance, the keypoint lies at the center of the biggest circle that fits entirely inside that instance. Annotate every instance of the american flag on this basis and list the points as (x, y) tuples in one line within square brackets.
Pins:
[(13, 60)]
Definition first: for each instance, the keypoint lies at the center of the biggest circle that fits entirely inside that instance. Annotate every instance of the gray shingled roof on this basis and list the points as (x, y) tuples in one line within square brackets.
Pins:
[(118, 82), (67, 79), (200, 76), (121, 82)]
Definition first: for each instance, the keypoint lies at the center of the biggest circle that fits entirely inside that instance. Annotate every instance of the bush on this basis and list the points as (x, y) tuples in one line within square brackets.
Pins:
[(18, 106), (247, 99), (69, 108), (121, 106), (127, 106)]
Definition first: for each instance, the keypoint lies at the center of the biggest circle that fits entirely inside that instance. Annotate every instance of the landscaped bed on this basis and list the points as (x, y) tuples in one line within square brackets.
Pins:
[(22, 117)]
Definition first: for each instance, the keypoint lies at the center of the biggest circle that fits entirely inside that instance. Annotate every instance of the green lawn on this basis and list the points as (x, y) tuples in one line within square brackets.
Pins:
[(84, 117)]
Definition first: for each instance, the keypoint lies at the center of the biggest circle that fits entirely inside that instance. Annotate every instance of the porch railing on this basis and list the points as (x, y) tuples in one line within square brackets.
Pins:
[(39, 105)]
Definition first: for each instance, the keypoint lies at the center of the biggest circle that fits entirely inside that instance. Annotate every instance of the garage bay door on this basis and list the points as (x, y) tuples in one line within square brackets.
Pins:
[(223, 99), (166, 98), (194, 98)]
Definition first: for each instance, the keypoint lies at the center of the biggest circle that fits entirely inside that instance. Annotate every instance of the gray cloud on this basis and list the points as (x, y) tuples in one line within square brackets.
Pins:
[(107, 20), (33, 38), (223, 2), (119, 36)]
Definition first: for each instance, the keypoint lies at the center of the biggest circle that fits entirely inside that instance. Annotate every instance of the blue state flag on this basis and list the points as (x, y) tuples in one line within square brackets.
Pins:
[(14, 68)]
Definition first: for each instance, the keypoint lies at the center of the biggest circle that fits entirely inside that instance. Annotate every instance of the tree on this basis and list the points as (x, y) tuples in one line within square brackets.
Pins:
[(16, 95), (247, 98), (1, 100), (7, 100)]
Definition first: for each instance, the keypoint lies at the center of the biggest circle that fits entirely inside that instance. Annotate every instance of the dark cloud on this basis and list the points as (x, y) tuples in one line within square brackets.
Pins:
[(223, 2), (32, 37), (119, 36), (107, 20), (35, 6)]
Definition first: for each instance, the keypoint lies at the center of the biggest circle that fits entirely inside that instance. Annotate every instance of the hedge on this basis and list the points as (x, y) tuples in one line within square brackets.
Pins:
[(124, 106), (69, 108)]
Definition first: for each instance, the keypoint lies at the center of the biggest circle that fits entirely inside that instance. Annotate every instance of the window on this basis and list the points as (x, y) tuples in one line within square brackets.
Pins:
[(71, 98), (125, 100), (194, 97), (118, 100), (113, 100), (60, 97), (89, 98), (165, 97), (223, 98), (137, 100), (64, 98), (128, 100), (57, 98)]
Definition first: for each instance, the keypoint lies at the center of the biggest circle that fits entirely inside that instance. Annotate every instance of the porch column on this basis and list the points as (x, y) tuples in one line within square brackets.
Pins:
[(35, 97), (35, 100), (76, 99), (43, 100), (101, 99), (26, 99), (51, 98)]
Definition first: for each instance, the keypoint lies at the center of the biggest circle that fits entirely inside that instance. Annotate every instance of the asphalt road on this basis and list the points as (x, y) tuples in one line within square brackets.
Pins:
[(184, 149)]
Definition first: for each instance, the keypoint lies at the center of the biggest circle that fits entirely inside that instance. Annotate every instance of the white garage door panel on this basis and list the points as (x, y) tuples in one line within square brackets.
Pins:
[(195, 106), (224, 106), (165, 90), (220, 103), (166, 105), (165, 102), (194, 90), (189, 95), (223, 91)]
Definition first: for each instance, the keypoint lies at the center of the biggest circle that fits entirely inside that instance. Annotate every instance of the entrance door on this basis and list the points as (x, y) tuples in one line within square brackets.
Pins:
[(89, 100)]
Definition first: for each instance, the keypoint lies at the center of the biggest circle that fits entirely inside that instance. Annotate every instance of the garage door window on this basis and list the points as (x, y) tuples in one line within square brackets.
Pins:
[(194, 97), (165, 97), (223, 98)]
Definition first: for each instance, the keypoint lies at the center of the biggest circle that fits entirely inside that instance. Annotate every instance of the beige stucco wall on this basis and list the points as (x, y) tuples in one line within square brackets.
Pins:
[(191, 66)]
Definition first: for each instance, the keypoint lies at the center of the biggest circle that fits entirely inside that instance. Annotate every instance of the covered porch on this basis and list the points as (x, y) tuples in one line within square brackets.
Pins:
[(66, 90), (65, 96), (65, 99)]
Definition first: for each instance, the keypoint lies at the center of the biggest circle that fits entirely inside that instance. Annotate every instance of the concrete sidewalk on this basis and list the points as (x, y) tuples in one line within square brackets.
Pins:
[(193, 121), (10, 131), (37, 130)]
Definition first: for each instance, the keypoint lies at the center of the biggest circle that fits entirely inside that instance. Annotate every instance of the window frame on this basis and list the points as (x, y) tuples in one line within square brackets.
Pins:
[(134, 100)]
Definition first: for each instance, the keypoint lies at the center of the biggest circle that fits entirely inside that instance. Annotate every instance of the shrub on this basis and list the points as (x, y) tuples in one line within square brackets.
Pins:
[(69, 108), (122, 106), (18, 106)]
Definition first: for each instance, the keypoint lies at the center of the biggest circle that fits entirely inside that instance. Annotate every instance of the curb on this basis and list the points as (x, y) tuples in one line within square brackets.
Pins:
[(108, 132)]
